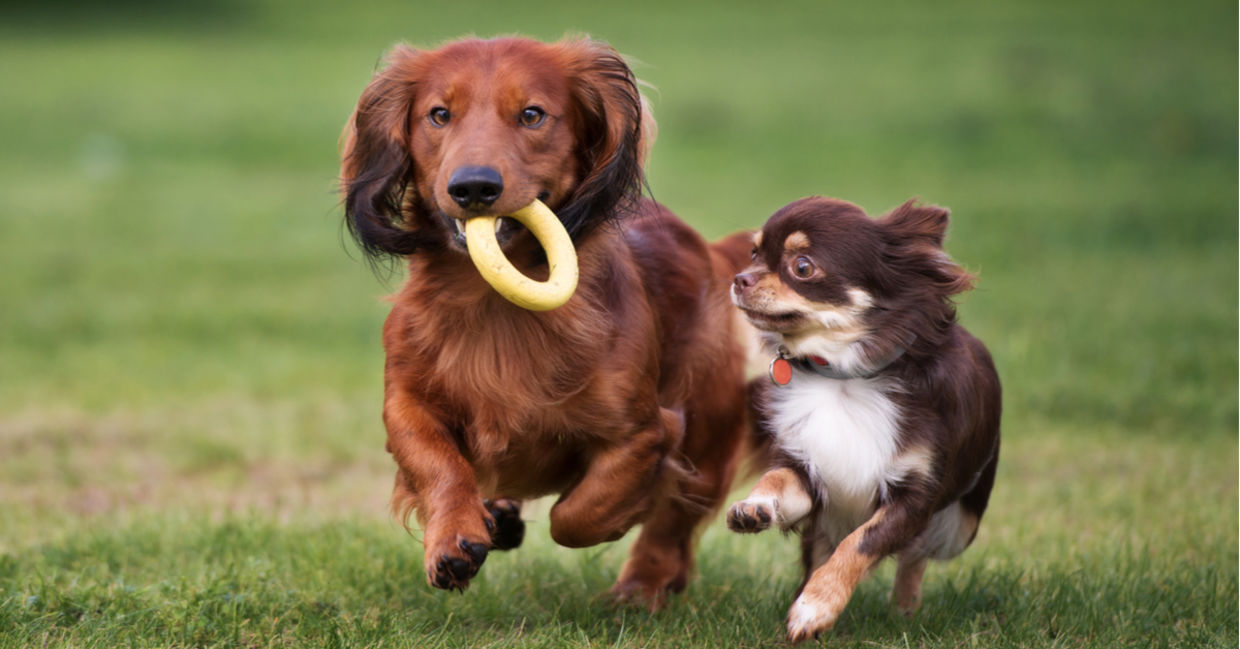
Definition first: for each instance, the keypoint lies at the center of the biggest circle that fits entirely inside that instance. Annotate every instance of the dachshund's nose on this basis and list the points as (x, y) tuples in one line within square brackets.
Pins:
[(744, 281), (475, 186)]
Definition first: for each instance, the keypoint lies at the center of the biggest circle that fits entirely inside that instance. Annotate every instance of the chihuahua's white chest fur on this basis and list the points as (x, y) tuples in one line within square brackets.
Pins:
[(846, 434)]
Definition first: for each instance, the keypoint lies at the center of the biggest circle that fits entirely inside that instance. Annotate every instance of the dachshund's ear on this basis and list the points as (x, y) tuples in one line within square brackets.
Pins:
[(913, 221), (613, 129), (376, 166)]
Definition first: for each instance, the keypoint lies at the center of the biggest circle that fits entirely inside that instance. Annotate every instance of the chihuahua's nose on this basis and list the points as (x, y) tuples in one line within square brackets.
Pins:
[(744, 281), (475, 186)]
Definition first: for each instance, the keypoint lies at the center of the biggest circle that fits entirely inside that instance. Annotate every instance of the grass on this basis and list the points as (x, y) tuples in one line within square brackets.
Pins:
[(246, 579), (190, 447)]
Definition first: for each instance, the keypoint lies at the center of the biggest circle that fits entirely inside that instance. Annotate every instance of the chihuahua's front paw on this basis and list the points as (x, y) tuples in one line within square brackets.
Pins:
[(809, 617), (752, 515)]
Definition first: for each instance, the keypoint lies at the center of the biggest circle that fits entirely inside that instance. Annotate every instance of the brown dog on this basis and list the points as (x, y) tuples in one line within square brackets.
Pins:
[(629, 400), (884, 410)]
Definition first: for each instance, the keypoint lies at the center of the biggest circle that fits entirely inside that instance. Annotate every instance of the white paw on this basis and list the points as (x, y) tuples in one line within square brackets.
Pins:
[(807, 618)]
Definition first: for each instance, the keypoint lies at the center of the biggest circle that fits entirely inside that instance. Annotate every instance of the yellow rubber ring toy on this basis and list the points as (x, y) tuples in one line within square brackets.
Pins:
[(509, 282)]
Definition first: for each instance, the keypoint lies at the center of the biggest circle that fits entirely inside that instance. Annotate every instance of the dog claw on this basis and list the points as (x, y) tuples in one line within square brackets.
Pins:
[(440, 576)]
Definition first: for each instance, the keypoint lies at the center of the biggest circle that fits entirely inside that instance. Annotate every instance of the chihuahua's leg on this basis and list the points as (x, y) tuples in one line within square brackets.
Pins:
[(620, 485), (906, 592), (778, 497), (948, 533), (892, 527), (435, 481), (831, 585)]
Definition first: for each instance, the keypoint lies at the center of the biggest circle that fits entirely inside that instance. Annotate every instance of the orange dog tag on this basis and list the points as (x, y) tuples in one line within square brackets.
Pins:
[(781, 371)]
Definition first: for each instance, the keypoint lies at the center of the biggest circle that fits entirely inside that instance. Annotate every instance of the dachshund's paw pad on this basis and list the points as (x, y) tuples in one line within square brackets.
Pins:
[(752, 515), (508, 530)]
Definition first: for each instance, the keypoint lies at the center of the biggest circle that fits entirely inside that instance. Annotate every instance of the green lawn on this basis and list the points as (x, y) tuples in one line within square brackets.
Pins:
[(190, 445)]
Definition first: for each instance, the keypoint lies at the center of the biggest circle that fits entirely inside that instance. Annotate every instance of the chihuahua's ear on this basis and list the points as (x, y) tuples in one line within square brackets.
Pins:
[(915, 238), (913, 221)]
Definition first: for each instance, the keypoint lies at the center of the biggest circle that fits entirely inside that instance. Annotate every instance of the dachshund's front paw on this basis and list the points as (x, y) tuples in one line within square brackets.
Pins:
[(752, 515), (451, 567), (457, 545), (509, 529)]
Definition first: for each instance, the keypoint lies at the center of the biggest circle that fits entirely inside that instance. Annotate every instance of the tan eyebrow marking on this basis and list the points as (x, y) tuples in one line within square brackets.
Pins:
[(757, 239), (796, 241)]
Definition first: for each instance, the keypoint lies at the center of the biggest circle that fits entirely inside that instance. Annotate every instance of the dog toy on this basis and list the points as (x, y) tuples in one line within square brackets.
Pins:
[(509, 282)]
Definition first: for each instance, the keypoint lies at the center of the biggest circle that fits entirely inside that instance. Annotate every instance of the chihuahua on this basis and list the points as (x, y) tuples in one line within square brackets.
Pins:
[(884, 412)]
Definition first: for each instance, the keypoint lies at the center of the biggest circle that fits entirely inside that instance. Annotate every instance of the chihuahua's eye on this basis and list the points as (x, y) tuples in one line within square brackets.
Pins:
[(802, 267), (753, 254), (439, 116), (532, 116)]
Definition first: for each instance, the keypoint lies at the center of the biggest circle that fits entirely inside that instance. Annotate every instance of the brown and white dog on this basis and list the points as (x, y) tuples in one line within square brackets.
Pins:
[(629, 401), (884, 411)]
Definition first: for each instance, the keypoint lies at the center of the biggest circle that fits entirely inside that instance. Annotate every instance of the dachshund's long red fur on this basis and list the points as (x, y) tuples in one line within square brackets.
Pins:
[(629, 400)]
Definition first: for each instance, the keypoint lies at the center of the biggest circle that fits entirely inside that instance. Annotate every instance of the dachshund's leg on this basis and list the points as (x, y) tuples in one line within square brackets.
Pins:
[(661, 558), (619, 488), (436, 482)]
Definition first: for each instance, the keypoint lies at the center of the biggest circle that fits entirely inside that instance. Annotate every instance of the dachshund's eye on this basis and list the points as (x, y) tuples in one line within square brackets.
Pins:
[(439, 116), (753, 254), (532, 116), (802, 267)]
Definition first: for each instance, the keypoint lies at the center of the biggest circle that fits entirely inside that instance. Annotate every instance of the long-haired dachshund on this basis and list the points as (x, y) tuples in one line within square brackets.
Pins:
[(629, 401)]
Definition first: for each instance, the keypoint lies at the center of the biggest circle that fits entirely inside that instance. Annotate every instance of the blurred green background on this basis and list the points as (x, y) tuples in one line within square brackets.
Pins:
[(187, 335)]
